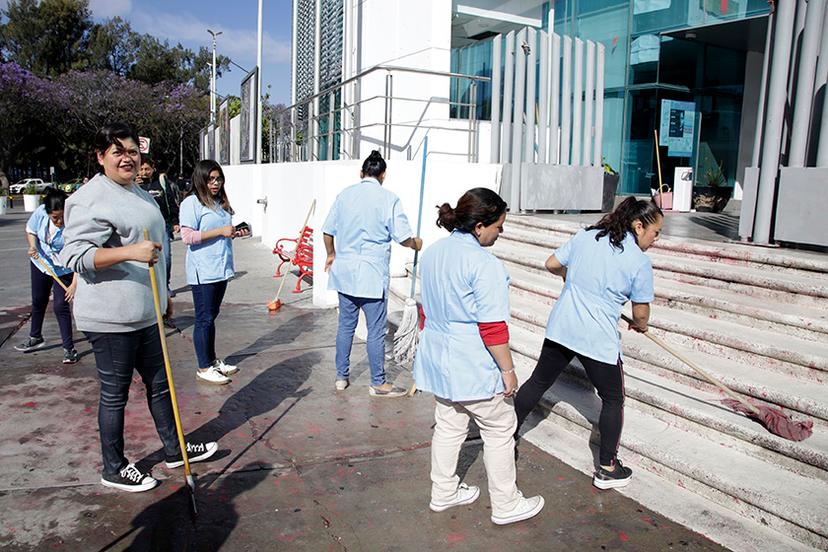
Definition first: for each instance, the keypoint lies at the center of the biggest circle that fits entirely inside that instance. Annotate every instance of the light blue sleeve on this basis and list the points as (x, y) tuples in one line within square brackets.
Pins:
[(187, 214), (641, 290), (331, 220), (35, 220), (491, 291), (564, 252), (398, 225)]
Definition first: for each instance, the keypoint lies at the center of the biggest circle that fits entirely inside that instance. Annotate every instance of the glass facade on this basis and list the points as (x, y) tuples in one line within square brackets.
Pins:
[(652, 55)]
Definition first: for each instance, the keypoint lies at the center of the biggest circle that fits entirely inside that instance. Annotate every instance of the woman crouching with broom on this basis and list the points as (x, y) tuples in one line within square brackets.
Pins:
[(463, 357), (603, 267)]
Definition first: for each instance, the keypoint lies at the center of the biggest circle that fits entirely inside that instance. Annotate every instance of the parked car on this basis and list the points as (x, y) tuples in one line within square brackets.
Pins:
[(38, 183)]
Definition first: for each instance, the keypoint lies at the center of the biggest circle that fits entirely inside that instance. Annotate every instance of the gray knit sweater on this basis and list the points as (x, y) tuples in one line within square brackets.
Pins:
[(103, 213)]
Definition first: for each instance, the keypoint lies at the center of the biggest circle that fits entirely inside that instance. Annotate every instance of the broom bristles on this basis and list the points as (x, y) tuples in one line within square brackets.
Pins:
[(407, 335)]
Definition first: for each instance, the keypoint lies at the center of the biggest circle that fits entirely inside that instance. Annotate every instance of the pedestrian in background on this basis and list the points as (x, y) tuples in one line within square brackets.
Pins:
[(463, 357), (208, 232), (603, 267), (165, 197), (44, 232), (114, 306), (363, 220)]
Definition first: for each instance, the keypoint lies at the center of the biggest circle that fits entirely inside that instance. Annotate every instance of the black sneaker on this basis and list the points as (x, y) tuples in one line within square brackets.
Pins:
[(70, 356), (196, 452), (30, 345), (129, 479), (619, 477)]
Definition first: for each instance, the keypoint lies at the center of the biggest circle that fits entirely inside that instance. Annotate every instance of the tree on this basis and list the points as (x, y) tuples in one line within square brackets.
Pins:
[(111, 45)]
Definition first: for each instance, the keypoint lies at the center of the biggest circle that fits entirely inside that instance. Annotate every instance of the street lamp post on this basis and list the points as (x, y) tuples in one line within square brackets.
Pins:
[(213, 79)]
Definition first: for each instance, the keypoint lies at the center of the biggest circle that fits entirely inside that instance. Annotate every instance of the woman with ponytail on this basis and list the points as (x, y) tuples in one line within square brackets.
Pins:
[(464, 359), (603, 267)]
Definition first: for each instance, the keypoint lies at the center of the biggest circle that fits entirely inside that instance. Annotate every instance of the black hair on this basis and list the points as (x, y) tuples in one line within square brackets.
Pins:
[(374, 165), (477, 205), (620, 221), (112, 134), (147, 160), (201, 176), (54, 200)]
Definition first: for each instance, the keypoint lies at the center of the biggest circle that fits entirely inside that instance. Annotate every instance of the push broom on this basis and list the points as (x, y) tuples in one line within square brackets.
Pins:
[(188, 476), (276, 304), (774, 419)]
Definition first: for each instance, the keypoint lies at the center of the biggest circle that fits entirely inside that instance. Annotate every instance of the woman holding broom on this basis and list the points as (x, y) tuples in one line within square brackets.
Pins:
[(603, 267), (114, 306), (44, 232), (463, 357)]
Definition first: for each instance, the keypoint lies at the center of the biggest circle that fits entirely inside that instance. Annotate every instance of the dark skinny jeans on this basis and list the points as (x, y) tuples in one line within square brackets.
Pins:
[(117, 355), (207, 303), (608, 380), (42, 287)]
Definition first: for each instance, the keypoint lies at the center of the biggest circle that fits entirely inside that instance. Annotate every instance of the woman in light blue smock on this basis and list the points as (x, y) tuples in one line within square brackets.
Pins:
[(603, 268), (463, 357), (207, 230)]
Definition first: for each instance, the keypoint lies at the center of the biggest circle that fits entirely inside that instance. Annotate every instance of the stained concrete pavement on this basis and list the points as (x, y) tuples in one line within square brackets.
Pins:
[(300, 467)]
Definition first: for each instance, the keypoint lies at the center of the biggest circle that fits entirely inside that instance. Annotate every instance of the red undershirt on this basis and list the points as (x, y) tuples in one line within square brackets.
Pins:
[(493, 333)]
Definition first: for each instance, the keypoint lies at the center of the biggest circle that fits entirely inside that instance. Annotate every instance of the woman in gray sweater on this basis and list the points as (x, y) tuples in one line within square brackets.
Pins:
[(105, 245)]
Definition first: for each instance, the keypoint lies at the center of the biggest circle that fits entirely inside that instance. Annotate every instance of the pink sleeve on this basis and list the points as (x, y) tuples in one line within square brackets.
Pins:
[(190, 236)]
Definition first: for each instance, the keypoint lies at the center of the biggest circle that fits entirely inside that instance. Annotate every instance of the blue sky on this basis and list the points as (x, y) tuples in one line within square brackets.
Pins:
[(187, 21)]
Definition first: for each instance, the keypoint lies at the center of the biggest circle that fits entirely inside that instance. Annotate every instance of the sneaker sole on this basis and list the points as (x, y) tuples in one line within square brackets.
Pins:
[(29, 349), (129, 488), (192, 459), (611, 484), (520, 517), (444, 507), (202, 380), (230, 372), (389, 395), (70, 362)]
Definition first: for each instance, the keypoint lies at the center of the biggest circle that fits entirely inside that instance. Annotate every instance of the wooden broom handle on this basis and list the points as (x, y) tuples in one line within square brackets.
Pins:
[(702, 372), (52, 273)]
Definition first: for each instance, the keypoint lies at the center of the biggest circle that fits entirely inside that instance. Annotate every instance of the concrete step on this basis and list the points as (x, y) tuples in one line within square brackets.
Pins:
[(781, 498)]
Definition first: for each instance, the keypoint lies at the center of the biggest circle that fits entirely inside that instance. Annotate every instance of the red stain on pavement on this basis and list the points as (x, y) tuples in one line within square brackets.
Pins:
[(622, 536), (286, 538), (30, 404), (454, 538), (561, 478)]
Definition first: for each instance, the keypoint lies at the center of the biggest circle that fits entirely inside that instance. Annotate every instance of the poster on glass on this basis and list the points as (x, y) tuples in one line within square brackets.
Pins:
[(249, 110), (224, 133)]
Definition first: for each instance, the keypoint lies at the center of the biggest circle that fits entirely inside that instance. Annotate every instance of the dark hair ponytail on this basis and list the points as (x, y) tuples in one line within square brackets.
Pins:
[(477, 205), (54, 200), (619, 222), (374, 165)]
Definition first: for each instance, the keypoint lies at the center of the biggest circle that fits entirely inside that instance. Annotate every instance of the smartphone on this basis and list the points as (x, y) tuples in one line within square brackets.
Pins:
[(242, 227)]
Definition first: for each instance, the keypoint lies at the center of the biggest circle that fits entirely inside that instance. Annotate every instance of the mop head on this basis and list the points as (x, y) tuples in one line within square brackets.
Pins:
[(775, 420), (407, 336)]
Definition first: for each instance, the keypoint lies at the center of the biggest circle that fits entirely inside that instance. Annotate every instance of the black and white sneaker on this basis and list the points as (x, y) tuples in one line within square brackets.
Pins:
[(619, 477), (196, 452), (70, 356), (30, 345), (129, 479)]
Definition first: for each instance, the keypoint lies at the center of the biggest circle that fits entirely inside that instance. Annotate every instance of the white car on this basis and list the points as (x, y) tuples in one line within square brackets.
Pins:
[(39, 185)]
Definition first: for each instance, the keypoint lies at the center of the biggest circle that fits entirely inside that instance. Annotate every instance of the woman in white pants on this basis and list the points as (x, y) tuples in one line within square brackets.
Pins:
[(463, 357)]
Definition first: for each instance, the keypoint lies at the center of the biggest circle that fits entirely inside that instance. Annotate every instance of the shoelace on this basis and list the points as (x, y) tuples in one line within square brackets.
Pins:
[(132, 473), (195, 447)]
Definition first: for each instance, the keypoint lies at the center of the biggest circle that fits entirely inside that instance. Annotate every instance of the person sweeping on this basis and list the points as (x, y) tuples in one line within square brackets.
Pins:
[(463, 357), (114, 305), (603, 267), (358, 230)]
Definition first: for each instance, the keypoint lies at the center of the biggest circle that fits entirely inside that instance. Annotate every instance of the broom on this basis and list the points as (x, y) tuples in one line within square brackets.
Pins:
[(406, 337), (276, 304), (52, 273), (188, 476), (775, 420)]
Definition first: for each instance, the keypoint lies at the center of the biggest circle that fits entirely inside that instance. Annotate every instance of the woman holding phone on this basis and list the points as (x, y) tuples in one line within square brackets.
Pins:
[(207, 230)]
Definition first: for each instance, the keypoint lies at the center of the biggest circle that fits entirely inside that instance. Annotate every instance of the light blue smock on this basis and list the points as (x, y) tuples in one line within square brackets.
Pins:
[(48, 244), (462, 285), (363, 219), (600, 279), (210, 261)]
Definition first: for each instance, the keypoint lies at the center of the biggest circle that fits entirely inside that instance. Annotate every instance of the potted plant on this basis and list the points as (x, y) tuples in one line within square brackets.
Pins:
[(610, 187), (4, 200), (712, 196), (31, 198)]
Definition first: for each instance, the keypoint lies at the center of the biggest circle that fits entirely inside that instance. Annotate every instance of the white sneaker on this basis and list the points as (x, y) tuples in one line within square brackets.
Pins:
[(225, 369), (526, 508), (342, 384), (466, 494), (212, 375)]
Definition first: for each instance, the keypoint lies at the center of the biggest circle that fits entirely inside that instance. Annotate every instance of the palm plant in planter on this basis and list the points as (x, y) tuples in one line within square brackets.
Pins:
[(713, 194), (610, 187), (31, 198), (4, 200)]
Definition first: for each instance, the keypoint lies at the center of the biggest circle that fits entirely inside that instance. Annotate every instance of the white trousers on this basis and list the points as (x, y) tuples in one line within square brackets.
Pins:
[(497, 422)]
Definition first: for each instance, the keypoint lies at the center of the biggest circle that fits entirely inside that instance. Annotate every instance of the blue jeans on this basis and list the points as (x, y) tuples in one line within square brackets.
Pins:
[(207, 302), (42, 287), (117, 355), (376, 313)]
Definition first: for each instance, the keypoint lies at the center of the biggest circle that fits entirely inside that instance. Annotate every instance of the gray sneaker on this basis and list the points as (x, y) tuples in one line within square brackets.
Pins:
[(341, 384), (70, 356), (30, 345), (386, 390)]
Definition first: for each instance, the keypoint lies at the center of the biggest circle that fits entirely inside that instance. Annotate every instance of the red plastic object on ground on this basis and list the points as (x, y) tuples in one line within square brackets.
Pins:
[(300, 256)]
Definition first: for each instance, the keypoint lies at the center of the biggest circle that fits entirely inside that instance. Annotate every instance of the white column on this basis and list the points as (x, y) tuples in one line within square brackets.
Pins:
[(554, 98), (566, 101), (589, 94), (599, 106), (517, 129), (531, 82), (494, 154), (577, 100), (543, 98), (508, 87)]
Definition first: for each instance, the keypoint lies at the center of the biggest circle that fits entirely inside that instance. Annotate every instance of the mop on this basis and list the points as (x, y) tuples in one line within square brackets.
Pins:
[(407, 335), (276, 304), (188, 476), (774, 419)]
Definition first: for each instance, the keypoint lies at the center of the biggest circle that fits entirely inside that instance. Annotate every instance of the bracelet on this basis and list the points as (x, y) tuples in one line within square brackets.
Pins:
[(507, 371)]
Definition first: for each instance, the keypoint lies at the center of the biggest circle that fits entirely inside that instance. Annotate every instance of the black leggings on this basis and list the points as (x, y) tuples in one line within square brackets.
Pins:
[(608, 380)]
